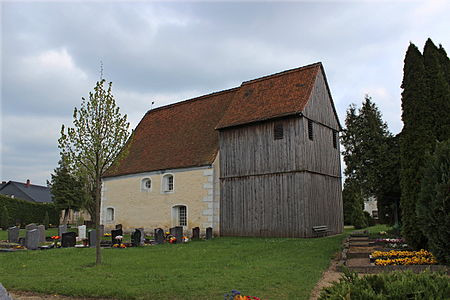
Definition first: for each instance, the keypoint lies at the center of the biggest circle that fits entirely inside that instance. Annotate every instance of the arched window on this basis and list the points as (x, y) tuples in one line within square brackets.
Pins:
[(179, 213), (168, 183), (146, 184), (109, 214)]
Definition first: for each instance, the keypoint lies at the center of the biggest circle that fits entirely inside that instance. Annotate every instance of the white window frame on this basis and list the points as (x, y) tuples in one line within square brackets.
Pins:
[(144, 188), (107, 220), (165, 183), (176, 220)]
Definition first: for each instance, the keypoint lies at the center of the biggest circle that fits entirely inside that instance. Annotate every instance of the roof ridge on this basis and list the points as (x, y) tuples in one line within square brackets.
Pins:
[(192, 100), (282, 73)]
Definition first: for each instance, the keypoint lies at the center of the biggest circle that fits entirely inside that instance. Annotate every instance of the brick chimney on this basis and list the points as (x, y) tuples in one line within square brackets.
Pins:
[(28, 183)]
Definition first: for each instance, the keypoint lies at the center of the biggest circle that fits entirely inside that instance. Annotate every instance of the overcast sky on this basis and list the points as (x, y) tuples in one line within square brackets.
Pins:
[(167, 52)]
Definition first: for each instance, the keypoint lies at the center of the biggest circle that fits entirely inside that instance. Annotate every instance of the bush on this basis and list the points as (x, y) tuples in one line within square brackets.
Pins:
[(369, 220), (23, 212), (46, 221), (433, 206), (394, 285), (4, 218)]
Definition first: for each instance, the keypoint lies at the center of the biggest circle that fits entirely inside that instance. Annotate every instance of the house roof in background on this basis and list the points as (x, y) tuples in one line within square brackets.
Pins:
[(31, 192), (175, 136), (282, 94)]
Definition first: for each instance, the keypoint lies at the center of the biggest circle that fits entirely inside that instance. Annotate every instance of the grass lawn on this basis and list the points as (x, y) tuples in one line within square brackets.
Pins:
[(270, 268)]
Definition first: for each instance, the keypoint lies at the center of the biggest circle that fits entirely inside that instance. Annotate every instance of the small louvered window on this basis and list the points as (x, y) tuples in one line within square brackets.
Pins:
[(310, 130), (278, 131), (335, 137)]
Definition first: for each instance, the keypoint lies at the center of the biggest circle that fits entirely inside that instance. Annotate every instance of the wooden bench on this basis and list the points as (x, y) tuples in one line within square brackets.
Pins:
[(323, 229)]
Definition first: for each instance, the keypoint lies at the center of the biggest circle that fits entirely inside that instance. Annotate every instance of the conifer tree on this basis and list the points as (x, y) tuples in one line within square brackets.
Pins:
[(416, 139), (433, 207), (438, 91), (364, 140)]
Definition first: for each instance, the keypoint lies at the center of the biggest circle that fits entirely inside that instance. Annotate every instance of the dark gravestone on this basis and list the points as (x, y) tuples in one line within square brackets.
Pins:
[(142, 235), (136, 238), (177, 232), (209, 233), (31, 226), (159, 236), (13, 234), (119, 226), (32, 239), (41, 230), (62, 229), (114, 234), (195, 233), (92, 238), (68, 239)]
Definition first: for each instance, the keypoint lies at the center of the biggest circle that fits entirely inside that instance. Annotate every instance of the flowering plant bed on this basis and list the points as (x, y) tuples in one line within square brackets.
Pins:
[(394, 257), (236, 295)]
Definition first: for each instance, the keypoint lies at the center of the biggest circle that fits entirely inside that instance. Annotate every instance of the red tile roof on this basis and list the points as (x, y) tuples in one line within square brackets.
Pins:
[(183, 134), (175, 136), (277, 95)]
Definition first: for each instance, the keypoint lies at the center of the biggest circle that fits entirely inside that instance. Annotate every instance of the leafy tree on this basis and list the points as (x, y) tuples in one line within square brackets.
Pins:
[(99, 133), (433, 207), (365, 143), (67, 190), (416, 139)]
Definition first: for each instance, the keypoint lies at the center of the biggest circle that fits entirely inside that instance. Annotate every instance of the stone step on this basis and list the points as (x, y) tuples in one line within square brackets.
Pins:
[(358, 262)]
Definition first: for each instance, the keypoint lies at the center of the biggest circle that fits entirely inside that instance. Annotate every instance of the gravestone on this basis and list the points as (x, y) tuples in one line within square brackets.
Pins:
[(62, 229), (82, 232), (209, 233), (142, 235), (195, 233), (119, 226), (136, 238), (32, 239), (115, 233), (68, 239), (41, 230), (13, 234), (92, 238), (177, 232), (159, 236), (31, 226), (4, 294)]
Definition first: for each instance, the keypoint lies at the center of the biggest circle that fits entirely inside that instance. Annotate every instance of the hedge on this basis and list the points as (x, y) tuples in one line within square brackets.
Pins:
[(23, 212)]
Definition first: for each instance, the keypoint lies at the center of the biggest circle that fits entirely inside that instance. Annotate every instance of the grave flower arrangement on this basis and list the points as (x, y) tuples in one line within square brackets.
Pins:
[(107, 234), (120, 246), (236, 295), (56, 239), (394, 257)]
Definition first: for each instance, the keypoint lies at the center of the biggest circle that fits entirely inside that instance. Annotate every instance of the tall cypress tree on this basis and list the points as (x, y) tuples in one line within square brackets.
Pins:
[(438, 91), (416, 139)]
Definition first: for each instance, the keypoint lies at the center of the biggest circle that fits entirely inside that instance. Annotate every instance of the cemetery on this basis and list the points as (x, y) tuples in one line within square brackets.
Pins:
[(36, 237)]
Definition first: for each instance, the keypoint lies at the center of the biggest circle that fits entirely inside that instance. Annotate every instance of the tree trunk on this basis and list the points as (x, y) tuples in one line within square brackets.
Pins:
[(66, 216), (98, 189)]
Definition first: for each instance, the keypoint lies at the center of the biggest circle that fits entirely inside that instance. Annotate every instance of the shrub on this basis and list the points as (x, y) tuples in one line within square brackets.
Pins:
[(4, 218), (394, 285), (369, 220), (23, 212)]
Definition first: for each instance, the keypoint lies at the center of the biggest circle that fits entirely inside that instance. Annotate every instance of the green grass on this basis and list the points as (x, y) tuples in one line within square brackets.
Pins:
[(270, 268)]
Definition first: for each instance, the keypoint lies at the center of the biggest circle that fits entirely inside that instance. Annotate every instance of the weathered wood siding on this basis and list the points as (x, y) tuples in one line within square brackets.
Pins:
[(282, 187), (280, 205), (252, 150), (320, 105)]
